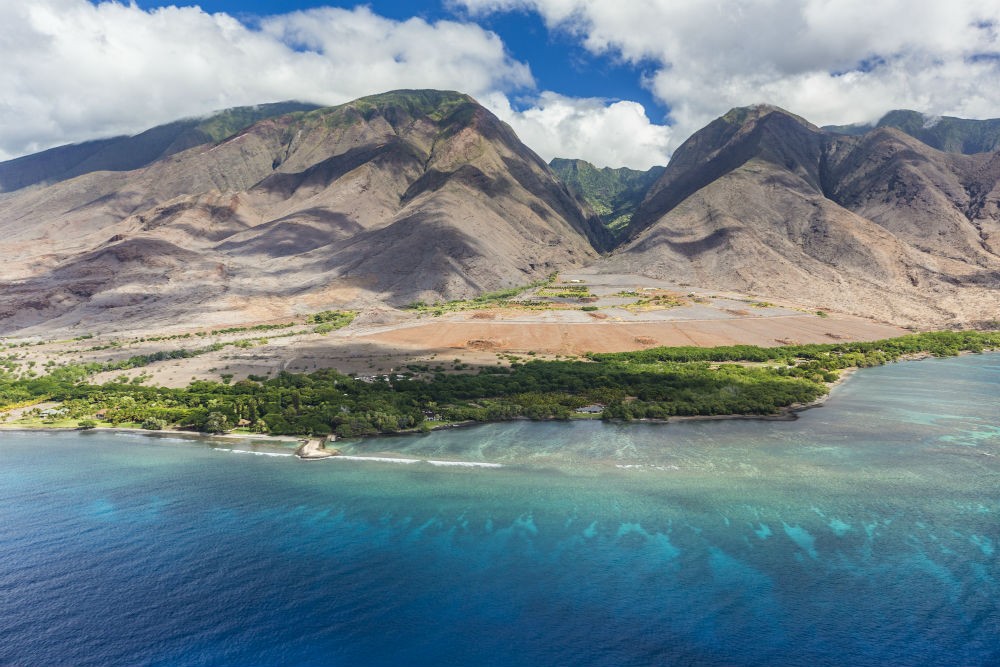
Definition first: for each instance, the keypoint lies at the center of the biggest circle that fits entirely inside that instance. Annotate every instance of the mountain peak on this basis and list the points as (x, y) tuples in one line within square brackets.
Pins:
[(757, 112), (392, 198), (760, 132), (434, 104)]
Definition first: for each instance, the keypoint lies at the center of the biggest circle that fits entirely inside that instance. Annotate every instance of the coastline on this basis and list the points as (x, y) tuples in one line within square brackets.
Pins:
[(787, 413), (161, 433)]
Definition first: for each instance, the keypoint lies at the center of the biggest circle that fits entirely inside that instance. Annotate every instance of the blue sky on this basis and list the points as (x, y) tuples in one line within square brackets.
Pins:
[(616, 82)]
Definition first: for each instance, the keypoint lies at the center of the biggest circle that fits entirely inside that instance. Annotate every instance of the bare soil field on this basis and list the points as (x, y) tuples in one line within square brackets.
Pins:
[(575, 338), (623, 313)]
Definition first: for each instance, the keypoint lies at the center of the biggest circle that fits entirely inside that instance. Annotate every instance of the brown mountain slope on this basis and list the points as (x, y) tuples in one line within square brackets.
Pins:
[(397, 197), (878, 225)]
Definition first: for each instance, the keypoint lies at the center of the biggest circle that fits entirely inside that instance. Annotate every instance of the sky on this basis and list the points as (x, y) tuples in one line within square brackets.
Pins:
[(614, 82)]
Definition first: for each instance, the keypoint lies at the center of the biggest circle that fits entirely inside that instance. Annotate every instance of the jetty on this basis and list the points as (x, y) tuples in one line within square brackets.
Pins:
[(313, 449)]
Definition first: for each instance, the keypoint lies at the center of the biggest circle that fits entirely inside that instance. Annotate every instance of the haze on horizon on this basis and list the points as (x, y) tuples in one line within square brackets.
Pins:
[(78, 69)]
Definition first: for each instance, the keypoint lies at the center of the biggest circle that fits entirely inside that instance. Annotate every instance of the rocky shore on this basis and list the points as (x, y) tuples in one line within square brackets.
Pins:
[(314, 449)]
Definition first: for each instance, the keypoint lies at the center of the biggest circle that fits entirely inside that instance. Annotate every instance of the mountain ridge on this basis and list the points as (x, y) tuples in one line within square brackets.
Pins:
[(126, 153), (422, 195), (409, 195), (877, 224), (945, 133)]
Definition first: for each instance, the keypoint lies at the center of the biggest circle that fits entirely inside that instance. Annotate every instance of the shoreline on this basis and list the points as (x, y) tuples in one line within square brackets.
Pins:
[(161, 433), (788, 413)]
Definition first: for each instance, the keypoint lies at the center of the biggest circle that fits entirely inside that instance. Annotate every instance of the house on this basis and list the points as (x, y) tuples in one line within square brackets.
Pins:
[(594, 409)]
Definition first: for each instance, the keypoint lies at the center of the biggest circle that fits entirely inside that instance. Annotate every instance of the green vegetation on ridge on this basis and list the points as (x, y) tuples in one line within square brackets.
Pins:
[(132, 152), (436, 105), (613, 194), (945, 133)]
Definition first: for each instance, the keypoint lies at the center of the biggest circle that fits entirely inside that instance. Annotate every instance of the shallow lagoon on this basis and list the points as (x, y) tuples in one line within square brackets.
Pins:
[(866, 532)]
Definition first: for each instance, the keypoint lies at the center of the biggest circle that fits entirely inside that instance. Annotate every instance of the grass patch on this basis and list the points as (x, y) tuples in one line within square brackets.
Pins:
[(505, 298)]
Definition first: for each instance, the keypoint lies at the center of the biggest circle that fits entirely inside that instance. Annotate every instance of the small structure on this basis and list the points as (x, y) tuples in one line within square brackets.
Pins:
[(313, 449), (594, 409)]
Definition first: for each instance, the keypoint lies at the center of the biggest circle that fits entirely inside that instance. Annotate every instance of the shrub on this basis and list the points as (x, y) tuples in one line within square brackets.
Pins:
[(216, 422), (154, 424)]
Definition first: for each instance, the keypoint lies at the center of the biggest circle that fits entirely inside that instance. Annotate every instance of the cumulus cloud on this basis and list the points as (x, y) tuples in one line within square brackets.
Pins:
[(831, 62), (75, 70), (606, 134)]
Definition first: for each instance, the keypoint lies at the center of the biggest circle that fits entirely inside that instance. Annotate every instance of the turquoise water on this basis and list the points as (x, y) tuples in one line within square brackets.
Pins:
[(864, 533)]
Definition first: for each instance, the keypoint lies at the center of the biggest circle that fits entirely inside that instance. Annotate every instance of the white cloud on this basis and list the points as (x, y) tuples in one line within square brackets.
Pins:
[(831, 62), (615, 134), (73, 70)]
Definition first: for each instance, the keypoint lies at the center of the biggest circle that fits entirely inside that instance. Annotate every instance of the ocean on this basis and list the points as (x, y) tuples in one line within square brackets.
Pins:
[(866, 532)]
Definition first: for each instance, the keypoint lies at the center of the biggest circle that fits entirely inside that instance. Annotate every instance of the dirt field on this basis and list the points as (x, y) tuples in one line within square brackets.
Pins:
[(578, 338), (385, 340)]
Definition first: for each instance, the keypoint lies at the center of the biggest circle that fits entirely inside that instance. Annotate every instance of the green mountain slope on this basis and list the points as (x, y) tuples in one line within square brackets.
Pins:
[(128, 153), (614, 194), (945, 133)]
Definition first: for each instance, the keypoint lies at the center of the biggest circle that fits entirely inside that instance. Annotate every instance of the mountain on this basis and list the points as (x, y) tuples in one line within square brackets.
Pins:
[(388, 199), (426, 195), (614, 194), (945, 133), (128, 153), (879, 224)]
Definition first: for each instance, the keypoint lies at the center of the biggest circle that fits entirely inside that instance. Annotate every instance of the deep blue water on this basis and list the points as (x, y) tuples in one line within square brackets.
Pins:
[(864, 533)]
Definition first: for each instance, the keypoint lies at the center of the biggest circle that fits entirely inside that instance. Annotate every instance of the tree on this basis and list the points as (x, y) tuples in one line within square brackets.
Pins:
[(154, 424), (216, 422)]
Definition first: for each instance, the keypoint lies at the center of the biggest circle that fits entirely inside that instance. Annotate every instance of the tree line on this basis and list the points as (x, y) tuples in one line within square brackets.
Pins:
[(653, 384)]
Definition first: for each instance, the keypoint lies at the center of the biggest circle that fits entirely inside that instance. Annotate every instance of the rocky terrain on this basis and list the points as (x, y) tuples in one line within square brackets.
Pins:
[(878, 224), (413, 195), (277, 211)]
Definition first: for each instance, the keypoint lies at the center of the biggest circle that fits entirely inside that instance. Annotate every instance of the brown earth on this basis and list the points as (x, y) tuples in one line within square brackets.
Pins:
[(879, 225), (412, 195), (387, 341), (427, 196), (552, 338)]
